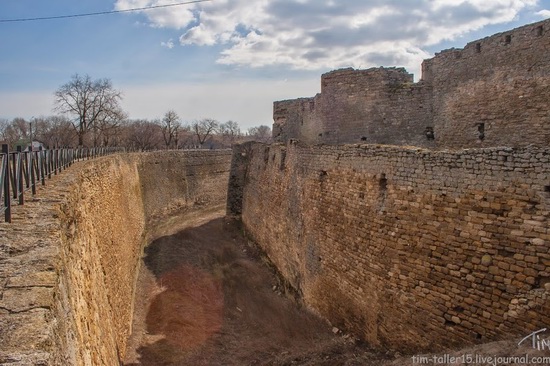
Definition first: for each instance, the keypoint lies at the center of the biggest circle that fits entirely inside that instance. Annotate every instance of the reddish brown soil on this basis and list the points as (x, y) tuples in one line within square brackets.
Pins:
[(205, 297)]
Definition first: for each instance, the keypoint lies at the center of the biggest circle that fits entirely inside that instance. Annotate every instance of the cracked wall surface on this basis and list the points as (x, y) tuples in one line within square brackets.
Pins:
[(68, 261)]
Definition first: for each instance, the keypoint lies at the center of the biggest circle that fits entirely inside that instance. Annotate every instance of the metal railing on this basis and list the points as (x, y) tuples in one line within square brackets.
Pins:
[(22, 171)]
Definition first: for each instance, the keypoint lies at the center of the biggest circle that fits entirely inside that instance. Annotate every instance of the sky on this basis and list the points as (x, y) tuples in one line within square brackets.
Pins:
[(227, 59)]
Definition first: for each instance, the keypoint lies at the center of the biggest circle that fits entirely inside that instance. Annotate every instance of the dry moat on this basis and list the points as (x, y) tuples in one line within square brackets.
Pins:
[(130, 259), (308, 251), (206, 297)]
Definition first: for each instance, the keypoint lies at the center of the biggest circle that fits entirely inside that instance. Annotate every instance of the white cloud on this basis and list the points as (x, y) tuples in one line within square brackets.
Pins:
[(177, 17), (169, 44), (545, 13), (314, 34)]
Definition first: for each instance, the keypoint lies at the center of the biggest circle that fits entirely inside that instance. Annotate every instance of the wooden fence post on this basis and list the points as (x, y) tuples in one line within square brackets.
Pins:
[(7, 196)]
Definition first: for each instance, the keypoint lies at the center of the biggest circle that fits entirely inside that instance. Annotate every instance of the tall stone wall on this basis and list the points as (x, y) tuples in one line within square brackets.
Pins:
[(494, 92), (102, 222), (91, 225), (411, 249), (501, 82)]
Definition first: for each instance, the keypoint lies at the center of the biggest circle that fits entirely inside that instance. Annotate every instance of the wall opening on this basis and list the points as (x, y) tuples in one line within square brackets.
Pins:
[(508, 39), (539, 30), (429, 132), (382, 192), (481, 131), (478, 47), (383, 183)]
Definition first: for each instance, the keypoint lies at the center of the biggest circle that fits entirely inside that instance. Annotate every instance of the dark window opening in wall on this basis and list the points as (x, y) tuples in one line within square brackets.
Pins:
[(547, 189), (363, 138), (478, 47), (539, 31), (383, 183), (382, 192), (508, 39), (478, 336), (320, 135), (429, 132), (481, 131)]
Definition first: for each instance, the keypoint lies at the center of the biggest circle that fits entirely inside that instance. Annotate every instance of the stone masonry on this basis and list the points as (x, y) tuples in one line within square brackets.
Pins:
[(493, 92), (408, 248), (68, 262)]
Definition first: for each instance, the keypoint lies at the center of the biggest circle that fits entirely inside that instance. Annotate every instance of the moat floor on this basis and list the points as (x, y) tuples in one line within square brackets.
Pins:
[(205, 297)]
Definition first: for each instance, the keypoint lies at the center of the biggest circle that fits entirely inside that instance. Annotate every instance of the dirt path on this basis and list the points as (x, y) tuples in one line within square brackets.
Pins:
[(205, 298)]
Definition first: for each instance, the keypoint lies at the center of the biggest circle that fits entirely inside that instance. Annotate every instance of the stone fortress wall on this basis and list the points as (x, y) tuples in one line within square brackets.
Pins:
[(411, 249), (69, 260), (493, 92), (414, 248)]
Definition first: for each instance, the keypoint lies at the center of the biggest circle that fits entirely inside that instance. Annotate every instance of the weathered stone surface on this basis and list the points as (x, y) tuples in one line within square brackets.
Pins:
[(491, 93), (68, 261), (388, 241)]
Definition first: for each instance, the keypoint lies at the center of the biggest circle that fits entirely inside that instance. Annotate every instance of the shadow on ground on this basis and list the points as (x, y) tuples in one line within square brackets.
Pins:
[(212, 301)]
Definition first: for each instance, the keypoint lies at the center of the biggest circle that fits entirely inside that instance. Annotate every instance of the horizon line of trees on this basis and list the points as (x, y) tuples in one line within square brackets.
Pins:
[(137, 134), (89, 114)]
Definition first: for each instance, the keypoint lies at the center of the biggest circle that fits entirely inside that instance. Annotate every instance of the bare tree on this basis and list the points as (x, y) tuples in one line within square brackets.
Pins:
[(261, 133), (204, 128), (15, 132), (170, 126), (7, 132), (54, 131), (4, 123), (89, 102), (107, 129), (230, 132), (143, 135)]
